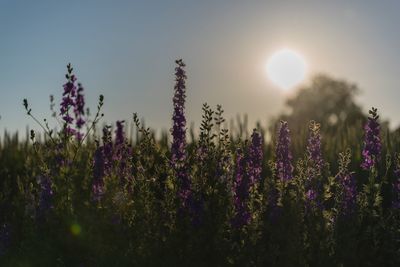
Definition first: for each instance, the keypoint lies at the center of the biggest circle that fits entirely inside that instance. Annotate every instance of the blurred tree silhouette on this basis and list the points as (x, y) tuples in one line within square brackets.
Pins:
[(330, 102), (324, 100)]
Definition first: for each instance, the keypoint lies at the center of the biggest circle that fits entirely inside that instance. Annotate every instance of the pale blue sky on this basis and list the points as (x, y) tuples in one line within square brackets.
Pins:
[(126, 50)]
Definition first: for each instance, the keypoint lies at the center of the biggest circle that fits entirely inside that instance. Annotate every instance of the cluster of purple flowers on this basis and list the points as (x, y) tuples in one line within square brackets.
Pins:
[(108, 149), (315, 162), (110, 154), (179, 121), (284, 167), (314, 151), (240, 192), (68, 100), (347, 183), (311, 195), (122, 154), (72, 99), (178, 147), (248, 174), (372, 141), (255, 157), (120, 133), (349, 191)]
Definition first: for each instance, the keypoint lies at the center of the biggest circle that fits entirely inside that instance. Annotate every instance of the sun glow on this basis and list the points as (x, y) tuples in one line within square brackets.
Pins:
[(286, 68)]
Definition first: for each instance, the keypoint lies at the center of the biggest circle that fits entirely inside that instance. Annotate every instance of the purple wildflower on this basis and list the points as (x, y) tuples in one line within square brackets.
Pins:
[(255, 157), (201, 154), (347, 184), (68, 119), (223, 167), (179, 121), (59, 157), (102, 163), (311, 199), (349, 192), (178, 131), (108, 149), (119, 133), (240, 192), (311, 195), (315, 164), (314, 152), (68, 101), (284, 167), (122, 153), (372, 141)]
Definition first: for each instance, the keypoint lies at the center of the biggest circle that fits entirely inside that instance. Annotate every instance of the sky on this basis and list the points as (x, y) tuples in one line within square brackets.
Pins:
[(125, 50)]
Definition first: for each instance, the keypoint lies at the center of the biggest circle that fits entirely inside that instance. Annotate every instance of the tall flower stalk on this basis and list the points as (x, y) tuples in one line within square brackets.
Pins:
[(240, 192), (73, 103), (315, 163), (120, 133), (68, 102), (178, 131), (347, 183), (372, 141), (122, 154), (255, 157), (284, 167), (314, 151), (247, 175), (108, 150)]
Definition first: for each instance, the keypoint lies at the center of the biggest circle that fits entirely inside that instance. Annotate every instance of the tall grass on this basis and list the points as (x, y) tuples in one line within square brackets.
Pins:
[(117, 196)]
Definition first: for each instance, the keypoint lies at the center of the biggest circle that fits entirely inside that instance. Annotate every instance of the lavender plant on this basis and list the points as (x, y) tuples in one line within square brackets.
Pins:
[(372, 142), (178, 148), (241, 192), (348, 189), (68, 102), (313, 183), (255, 158), (284, 167)]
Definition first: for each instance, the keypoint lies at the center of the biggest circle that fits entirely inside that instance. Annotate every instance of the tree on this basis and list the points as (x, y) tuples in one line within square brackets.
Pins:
[(325, 100), (331, 103)]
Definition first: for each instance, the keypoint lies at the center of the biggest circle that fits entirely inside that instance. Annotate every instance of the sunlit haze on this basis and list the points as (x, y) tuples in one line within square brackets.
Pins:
[(286, 68), (126, 51)]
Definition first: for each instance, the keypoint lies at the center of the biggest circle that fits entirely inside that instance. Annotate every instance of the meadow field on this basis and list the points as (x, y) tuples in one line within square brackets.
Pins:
[(305, 191)]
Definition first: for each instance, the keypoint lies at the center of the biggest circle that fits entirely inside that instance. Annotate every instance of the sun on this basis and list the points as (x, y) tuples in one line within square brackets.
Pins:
[(286, 68)]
